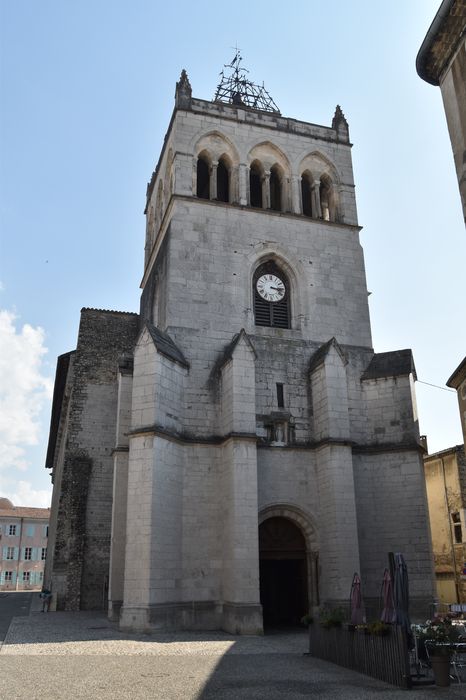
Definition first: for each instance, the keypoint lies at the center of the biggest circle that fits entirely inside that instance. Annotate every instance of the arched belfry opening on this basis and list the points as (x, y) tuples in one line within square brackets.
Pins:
[(275, 189), (328, 199), (306, 194), (203, 178), (223, 181), (283, 572), (255, 185)]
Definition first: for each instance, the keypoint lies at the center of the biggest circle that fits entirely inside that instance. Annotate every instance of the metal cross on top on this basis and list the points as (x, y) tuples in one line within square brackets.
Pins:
[(235, 88)]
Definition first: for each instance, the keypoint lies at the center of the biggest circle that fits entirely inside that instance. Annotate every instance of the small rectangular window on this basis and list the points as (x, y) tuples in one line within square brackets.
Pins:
[(26, 576), (457, 529), (10, 552), (30, 531), (280, 396), (12, 530), (28, 553), (44, 553), (8, 576)]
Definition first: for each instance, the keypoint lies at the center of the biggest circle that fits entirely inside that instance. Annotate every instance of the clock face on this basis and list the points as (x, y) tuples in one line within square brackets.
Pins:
[(270, 287)]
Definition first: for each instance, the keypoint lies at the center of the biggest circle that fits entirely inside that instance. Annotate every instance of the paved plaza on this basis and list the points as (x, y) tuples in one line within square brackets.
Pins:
[(50, 656)]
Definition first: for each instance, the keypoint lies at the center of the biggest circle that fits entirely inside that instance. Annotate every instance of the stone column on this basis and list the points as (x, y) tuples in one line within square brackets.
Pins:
[(266, 190), (213, 179), (296, 204), (194, 179), (120, 490), (315, 199), (243, 173)]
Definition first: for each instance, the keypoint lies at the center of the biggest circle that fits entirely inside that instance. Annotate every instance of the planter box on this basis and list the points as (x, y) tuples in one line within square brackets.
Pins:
[(383, 657)]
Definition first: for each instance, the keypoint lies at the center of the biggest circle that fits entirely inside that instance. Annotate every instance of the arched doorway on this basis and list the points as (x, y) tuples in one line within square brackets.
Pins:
[(283, 572)]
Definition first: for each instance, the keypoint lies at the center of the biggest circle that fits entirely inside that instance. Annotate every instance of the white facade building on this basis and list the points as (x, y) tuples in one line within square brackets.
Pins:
[(23, 546)]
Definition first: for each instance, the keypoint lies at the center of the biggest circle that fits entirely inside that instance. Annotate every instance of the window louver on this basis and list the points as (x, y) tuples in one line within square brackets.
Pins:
[(271, 314)]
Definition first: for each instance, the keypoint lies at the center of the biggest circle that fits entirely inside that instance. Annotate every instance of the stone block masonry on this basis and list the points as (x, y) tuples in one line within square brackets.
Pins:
[(247, 454), (79, 568)]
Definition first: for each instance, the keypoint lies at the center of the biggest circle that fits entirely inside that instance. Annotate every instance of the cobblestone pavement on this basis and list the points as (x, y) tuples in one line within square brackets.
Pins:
[(81, 655)]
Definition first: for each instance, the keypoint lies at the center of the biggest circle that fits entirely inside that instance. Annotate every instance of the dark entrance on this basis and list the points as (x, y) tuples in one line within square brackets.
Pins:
[(283, 573)]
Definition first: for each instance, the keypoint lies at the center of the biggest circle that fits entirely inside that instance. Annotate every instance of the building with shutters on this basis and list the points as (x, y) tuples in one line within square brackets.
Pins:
[(231, 455), (446, 495), (23, 546)]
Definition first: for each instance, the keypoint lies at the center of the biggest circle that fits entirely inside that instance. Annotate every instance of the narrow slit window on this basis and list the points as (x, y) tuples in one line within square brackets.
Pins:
[(457, 529), (280, 396)]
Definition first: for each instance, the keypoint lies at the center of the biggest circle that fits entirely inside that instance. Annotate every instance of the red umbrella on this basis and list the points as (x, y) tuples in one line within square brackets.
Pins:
[(357, 608), (388, 613)]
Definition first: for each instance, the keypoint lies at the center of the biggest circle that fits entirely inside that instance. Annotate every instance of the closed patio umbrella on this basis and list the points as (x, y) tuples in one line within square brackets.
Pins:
[(356, 604), (388, 612), (402, 596)]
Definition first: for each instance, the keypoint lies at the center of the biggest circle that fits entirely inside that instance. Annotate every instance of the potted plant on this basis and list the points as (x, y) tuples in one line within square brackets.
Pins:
[(435, 639), (331, 617), (378, 628), (307, 619)]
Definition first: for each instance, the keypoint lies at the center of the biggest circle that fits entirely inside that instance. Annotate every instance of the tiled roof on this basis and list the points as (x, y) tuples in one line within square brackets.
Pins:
[(23, 512), (397, 363)]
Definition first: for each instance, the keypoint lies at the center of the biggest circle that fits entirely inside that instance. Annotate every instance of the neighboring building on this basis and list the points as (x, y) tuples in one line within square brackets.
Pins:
[(446, 495), (458, 381), (234, 453), (23, 546), (442, 61)]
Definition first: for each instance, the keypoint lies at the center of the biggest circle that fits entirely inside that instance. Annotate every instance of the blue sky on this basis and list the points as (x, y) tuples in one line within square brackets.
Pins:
[(87, 92)]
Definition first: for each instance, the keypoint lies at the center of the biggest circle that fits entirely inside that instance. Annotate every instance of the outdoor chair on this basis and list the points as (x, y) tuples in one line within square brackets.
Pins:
[(419, 659), (458, 659)]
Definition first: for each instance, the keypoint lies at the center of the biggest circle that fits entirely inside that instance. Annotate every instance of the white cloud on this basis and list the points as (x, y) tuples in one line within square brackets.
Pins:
[(24, 390), (24, 495)]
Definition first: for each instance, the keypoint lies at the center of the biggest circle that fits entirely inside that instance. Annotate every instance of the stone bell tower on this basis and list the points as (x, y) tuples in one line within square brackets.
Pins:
[(263, 448)]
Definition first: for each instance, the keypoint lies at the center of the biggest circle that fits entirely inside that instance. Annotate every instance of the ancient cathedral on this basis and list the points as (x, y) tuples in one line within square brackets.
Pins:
[(231, 455)]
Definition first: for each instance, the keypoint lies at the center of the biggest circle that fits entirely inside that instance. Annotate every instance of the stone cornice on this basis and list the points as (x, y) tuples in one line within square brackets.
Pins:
[(216, 440)]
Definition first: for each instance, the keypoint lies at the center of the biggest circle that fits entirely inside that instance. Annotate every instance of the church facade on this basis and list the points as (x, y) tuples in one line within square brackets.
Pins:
[(231, 455)]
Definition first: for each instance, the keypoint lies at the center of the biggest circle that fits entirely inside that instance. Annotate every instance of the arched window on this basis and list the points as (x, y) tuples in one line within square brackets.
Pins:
[(306, 192), (275, 189), (223, 181), (203, 178), (255, 185), (271, 292), (328, 203)]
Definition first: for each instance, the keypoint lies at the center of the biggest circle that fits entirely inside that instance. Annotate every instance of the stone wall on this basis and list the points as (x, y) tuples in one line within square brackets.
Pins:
[(82, 546)]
